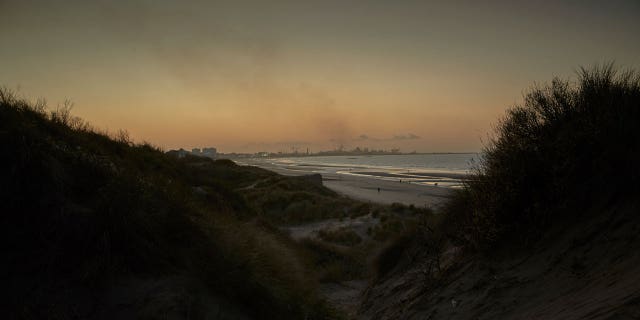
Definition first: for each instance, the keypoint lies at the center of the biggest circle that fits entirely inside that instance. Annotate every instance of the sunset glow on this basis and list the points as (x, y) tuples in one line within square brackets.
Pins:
[(248, 76)]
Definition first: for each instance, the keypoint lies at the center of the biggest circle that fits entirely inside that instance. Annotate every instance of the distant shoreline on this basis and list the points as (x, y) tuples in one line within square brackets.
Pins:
[(364, 185), (304, 155)]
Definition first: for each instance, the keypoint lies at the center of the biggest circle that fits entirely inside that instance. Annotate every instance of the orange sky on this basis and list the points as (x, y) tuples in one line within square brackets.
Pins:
[(247, 76)]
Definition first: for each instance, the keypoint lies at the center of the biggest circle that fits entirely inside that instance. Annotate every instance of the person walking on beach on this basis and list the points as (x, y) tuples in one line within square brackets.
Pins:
[(378, 189)]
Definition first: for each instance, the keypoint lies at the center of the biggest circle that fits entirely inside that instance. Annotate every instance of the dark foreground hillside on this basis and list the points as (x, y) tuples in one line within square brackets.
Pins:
[(100, 227), (548, 227)]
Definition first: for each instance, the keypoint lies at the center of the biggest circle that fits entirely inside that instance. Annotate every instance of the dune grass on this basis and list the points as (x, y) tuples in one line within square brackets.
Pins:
[(344, 236), (84, 213), (337, 263), (568, 144)]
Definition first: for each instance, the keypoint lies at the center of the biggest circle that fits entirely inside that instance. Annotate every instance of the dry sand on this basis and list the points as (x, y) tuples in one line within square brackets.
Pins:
[(584, 270)]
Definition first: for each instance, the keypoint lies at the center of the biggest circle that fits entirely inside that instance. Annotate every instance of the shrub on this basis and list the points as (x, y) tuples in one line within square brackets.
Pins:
[(335, 263), (343, 236), (566, 142), (392, 253), (422, 241)]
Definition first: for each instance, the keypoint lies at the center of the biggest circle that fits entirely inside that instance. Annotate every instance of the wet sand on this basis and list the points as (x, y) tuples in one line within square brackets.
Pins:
[(431, 191)]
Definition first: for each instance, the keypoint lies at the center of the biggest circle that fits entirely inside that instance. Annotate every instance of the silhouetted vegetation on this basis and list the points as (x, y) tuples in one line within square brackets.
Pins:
[(336, 263), (568, 146), (92, 222), (343, 236), (409, 240)]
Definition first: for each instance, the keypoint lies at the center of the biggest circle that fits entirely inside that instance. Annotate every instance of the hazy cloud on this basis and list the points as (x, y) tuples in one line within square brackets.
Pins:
[(366, 137), (278, 144), (408, 136)]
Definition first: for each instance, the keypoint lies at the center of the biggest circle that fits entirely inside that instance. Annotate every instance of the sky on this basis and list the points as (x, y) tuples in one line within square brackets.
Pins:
[(248, 76)]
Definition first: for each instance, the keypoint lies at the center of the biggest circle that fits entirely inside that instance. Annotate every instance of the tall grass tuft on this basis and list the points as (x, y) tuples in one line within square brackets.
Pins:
[(566, 144)]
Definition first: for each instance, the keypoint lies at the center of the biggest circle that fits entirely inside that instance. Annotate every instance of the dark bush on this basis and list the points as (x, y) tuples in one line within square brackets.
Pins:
[(343, 236), (567, 143), (392, 253)]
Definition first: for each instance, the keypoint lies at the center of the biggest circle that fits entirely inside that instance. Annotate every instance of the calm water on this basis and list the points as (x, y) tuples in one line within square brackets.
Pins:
[(444, 170), (454, 163)]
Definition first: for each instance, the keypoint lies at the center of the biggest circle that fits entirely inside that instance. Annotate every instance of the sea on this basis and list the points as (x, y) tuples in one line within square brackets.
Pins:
[(441, 169)]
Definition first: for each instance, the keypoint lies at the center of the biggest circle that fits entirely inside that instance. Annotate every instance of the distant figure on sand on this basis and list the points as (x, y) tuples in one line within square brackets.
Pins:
[(378, 189)]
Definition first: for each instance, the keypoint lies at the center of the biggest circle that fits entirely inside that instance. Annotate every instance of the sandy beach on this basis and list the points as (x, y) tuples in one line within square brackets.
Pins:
[(363, 184)]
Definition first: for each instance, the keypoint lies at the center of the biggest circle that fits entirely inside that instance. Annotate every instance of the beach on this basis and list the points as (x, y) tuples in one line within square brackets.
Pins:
[(423, 188)]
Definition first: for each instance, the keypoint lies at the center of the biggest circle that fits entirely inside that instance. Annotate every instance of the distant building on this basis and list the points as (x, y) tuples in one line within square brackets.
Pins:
[(178, 153), (210, 152)]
